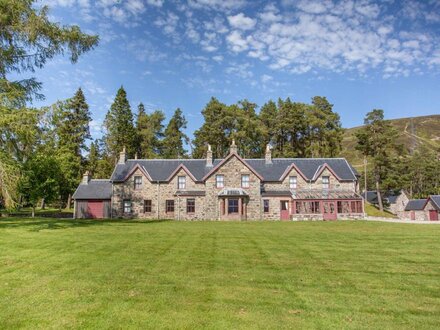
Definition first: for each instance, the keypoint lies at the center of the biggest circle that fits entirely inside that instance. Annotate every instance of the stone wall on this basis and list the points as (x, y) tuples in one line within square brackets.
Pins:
[(232, 170)]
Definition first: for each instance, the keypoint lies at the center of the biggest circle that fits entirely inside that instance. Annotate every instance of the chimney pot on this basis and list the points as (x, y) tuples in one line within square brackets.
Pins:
[(209, 156), (86, 178), (234, 148), (268, 155), (122, 156)]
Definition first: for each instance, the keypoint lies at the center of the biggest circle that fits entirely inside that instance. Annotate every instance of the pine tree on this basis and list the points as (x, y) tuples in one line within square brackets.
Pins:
[(120, 131), (75, 129), (175, 137), (150, 133), (214, 130), (94, 157), (268, 116), (377, 140)]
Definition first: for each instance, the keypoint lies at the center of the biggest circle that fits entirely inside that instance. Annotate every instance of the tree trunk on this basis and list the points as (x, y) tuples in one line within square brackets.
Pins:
[(33, 211), (69, 201), (43, 204), (379, 196)]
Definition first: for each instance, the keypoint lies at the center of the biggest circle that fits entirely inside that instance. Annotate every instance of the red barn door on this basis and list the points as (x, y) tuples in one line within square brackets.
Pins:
[(433, 215), (95, 209)]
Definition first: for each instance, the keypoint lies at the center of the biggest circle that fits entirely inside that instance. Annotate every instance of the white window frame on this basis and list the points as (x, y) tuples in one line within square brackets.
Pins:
[(181, 182), (220, 183), (293, 182), (137, 185), (245, 183), (325, 182), (127, 206)]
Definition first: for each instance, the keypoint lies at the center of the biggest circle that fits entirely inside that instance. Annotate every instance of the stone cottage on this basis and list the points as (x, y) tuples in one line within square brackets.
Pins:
[(232, 188), (423, 209)]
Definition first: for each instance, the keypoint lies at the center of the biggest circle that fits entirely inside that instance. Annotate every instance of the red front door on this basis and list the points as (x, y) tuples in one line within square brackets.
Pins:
[(284, 210), (413, 215), (329, 211), (95, 209), (433, 215)]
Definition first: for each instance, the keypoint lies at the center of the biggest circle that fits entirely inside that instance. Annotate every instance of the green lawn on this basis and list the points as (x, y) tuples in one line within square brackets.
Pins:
[(119, 274)]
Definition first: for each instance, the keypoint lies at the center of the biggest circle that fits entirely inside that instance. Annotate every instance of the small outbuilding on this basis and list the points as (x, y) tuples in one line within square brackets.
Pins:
[(423, 209), (92, 198), (394, 201)]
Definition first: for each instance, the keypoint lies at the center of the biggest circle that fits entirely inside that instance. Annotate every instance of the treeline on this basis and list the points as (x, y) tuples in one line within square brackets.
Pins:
[(390, 166)]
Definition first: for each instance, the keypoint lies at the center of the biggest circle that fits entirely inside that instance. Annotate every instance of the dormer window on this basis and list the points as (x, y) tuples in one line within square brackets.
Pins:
[(325, 182), (137, 182), (245, 180), (181, 182), (293, 182)]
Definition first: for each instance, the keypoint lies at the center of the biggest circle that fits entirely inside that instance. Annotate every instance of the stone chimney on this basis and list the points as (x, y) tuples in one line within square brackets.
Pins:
[(209, 156), (268, 155), (86, 178), (233, 148), (122, 156)]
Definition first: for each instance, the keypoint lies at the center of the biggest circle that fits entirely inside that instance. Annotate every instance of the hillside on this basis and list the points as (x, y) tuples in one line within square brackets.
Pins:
[(414, 131)]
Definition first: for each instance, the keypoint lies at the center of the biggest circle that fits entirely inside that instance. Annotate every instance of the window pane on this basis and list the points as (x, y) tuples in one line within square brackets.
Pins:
[(147, 206), (266, 205), (232, 205), (325, 182), (127, 206), (181, 182), (245, 181), (292, 182), (137, 182), (190, 205), (170, 206), (219, 181)]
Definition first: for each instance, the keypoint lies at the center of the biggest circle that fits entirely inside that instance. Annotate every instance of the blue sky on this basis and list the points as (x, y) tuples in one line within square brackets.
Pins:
[(167, 54)]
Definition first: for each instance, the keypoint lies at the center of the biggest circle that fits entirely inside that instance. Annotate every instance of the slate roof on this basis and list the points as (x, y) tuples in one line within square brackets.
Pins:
[(160, 170), (436, 200), (95, 189), (390, 196), (415, 205)]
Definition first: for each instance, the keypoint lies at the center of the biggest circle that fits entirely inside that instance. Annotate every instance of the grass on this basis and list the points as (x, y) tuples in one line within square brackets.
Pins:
[(374, 211), (128, 274)]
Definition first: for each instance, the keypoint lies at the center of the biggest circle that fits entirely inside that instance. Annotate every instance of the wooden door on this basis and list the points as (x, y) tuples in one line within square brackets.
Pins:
[(433, 215), (284, 210), (413, 215), (329, 211), (95, 209)]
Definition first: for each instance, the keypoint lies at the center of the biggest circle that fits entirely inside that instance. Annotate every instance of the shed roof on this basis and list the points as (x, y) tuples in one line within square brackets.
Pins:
[(95, 189), (161, 169), (415, 205), (435, 200)]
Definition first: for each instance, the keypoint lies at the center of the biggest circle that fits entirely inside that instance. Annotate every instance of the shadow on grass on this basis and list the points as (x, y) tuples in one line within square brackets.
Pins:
[(38, 224)]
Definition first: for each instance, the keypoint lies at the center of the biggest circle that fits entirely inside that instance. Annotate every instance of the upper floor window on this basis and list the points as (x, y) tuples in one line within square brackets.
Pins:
[(181, 182), (219, 181), (293, 182), (169, 205), (245, 180), (137, 182), (127, 206), (325, 182)]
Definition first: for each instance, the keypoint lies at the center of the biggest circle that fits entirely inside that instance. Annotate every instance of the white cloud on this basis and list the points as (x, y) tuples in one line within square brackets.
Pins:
[(156, 3), (266, 78), (168, 23), (240, 21), (241, 70), (217, 4), (135, 7), (236, 42)]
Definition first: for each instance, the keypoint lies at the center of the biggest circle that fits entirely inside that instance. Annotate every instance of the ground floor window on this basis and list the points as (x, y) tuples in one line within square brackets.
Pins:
[(349, 207), (127, 205), (307, 207), (169, 205), (147, 206), (266, 205), (233, 205), (190, 205)]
